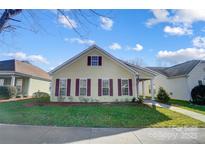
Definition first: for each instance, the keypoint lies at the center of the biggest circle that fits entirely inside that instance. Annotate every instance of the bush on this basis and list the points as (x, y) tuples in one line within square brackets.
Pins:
[(162, 96), (138, 100), (7, 92), (198, 95), (41, 96)]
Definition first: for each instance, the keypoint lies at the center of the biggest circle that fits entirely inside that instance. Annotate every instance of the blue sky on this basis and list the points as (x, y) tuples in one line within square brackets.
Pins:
[(150, 37)]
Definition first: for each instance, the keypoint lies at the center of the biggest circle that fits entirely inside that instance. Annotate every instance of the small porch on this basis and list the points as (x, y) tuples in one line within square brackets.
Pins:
[(140, 84), (20, 82)]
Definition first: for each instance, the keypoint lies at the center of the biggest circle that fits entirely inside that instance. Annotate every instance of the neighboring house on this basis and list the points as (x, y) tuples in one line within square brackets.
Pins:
[(95, 75), (178, 80), (26, 77)]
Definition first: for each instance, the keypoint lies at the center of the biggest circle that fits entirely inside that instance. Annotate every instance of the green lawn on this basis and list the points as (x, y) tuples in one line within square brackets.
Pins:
[(94, 116), (188, 106)]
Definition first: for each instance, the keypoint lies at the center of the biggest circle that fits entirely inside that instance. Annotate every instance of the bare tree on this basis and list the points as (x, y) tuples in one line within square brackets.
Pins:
[(83, 17), (6, 16)]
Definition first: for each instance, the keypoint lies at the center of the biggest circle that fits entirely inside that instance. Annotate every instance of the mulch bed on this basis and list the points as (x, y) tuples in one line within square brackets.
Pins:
[(59, 104)]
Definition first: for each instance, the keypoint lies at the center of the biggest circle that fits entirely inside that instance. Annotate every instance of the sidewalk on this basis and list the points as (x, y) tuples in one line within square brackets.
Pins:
[(191, 114), (26, 134), (13, 99)]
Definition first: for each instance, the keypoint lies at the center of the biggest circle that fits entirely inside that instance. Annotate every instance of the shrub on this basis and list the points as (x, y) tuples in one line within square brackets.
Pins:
[(198, 95), (7, 92), (162, 96), (138, 100), (41, 96)]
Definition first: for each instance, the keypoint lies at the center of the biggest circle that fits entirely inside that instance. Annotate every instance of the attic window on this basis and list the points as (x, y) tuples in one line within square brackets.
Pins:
[(94, 60)]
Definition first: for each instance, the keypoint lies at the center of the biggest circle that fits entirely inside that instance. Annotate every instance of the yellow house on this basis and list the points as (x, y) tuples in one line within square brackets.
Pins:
[(26, 77), (94, 75)]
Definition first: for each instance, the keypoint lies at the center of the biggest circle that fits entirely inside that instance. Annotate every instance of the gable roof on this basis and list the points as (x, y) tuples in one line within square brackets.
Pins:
[(126, 66), (182, 69), (23, 67)]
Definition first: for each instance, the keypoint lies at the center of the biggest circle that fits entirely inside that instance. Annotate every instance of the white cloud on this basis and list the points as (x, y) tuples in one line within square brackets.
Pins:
[(24, 56), (115, 46), (185, 17), (81, 41), (106, 23), (181, 55), (177, 30), (199, 42), (67, 22), (159, 16), (138, 47), (181, 20)]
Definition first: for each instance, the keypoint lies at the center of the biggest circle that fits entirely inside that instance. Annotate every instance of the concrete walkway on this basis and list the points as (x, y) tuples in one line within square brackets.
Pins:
[(191, 114), (19, 134)]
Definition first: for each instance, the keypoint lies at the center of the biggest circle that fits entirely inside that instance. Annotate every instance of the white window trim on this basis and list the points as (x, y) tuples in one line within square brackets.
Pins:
[(108, 86), (91, 60), (85, 87), (128, 87), (60, 86)]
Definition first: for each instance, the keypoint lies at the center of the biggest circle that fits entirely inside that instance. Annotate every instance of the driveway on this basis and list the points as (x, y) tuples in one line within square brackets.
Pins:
[(19, 134)]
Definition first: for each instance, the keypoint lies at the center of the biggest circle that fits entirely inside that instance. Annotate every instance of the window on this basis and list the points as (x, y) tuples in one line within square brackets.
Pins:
[(83, 87), (94, 60), (1, 82), (105, 87), (125, 87), (62, 87)]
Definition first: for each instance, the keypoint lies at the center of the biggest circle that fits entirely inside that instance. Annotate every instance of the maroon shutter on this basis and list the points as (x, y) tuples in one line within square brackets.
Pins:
[(130, 87), (68, 86), (99, 87), (77, 88), (57, 88), (100, 61), (88, 87), (89, 61), (119, 87), (111, 87)]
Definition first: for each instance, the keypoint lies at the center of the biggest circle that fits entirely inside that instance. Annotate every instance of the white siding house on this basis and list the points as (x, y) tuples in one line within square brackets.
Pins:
[(177, 80)]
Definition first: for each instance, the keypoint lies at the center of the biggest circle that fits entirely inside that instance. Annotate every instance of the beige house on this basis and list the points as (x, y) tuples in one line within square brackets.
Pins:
[(26, 77), (94, 75), (177, 80)]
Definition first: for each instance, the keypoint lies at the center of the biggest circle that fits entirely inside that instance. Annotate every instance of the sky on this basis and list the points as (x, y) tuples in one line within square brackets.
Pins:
[(148, 37)]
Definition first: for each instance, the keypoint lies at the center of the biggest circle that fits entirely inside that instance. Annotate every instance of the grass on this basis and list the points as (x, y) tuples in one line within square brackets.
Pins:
[(187, 105), (94, 116)]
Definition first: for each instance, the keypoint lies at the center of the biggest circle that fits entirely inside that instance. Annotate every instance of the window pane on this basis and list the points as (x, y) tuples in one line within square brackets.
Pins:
[(94, 60), (62, 87), (82, 91), (83, 83), (125, 83), (125, 87), (105, 83), (105, 91), (124, 91), (83, 87)]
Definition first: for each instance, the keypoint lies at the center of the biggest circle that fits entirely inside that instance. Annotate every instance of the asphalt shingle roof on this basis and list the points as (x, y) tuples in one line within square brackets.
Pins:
[(176, 70), (23, 67)]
